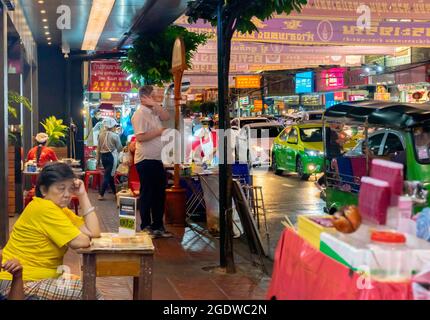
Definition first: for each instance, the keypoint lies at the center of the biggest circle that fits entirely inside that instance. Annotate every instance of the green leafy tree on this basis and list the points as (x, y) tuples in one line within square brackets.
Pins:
[(236, 15), (149, 60)]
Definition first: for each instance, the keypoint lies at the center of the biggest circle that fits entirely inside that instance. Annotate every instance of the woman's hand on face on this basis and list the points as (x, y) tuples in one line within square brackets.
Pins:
[(148, 101), (79, 188)]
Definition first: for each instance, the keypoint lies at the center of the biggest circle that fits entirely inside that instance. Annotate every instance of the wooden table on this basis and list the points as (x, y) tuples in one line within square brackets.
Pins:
[(116, 263)]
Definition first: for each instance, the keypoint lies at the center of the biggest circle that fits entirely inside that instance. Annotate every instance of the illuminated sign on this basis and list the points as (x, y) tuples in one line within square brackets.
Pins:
[(305, 82), (258, 105), (292, 100), (244, 101), (332, 79), (339, 96), (107, 76), (248, 82), (312, 100)]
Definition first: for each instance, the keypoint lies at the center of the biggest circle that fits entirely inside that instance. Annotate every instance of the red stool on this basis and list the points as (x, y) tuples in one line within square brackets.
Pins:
[(75, 204), (29, 196), (96, 179)]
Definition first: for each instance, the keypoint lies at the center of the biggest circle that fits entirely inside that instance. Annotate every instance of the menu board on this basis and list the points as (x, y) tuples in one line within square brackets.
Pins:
[(127, 215)]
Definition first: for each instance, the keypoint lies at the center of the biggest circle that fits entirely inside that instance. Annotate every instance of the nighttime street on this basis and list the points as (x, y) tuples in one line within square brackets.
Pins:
[(286, 195), (214, 157)]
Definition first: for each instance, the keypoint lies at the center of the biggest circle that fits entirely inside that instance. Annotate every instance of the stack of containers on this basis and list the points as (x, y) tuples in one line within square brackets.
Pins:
[(374, 200), (381, 190), (391, 172)]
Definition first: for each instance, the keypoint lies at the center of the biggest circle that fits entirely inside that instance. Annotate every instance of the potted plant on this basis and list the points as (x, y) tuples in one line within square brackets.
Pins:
[(57, 132), (16, 98), (14, 149)]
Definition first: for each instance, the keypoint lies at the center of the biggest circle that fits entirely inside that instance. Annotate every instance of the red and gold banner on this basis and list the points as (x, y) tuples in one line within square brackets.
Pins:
[(107, 76)]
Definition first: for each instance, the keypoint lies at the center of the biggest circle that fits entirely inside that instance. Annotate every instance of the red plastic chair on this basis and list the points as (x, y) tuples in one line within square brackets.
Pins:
[(29, 196), (97, 179), (75, 204), (134, 181)]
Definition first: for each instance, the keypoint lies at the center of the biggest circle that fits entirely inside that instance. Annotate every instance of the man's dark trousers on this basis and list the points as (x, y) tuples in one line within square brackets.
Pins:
[(152, 193)]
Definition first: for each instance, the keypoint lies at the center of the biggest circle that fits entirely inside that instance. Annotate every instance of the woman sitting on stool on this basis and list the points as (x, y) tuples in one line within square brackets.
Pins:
[(45, 230)]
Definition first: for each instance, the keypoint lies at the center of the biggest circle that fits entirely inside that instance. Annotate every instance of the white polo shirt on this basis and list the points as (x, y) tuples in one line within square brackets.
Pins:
[(145, 120)]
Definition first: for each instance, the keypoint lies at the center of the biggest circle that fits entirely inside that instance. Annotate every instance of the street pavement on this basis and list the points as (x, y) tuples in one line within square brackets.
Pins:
[(286, 195)]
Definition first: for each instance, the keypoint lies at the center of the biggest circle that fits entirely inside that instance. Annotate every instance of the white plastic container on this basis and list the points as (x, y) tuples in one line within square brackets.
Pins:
[(392, 259)]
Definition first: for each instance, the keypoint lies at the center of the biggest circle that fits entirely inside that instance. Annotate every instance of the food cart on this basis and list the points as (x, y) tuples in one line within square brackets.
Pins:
[(393, 131)]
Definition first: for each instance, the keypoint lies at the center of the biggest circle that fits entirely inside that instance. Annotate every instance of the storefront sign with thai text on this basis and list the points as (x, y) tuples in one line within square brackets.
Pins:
[(107, 76), (314, 31), (248, 82)]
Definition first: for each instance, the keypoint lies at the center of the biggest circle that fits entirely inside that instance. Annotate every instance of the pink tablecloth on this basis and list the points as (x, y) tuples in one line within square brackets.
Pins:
[(301, 272)]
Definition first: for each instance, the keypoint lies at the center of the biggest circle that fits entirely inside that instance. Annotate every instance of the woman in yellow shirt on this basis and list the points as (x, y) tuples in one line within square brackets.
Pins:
[(44, 232)]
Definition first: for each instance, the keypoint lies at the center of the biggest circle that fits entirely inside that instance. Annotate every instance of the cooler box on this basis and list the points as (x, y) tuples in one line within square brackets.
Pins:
[(345, 249), (352, 250), (310, 230)]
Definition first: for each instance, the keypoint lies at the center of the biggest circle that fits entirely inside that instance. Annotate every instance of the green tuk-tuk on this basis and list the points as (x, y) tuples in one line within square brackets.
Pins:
[(397, 132)]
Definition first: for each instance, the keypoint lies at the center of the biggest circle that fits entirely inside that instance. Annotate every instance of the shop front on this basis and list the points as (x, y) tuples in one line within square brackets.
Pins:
[(291, 103), (413, 84), (109, 94), (332, 84)]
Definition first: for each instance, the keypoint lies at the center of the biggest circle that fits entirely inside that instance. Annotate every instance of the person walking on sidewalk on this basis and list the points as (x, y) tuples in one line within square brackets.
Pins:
[(148, 130), (108, 149)]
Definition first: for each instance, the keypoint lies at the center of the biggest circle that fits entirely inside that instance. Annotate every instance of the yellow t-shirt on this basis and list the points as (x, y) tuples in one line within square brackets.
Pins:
[(39, 237)]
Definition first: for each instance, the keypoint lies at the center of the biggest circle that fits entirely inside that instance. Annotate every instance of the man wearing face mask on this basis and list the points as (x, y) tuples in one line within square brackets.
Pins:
[(148, 131)]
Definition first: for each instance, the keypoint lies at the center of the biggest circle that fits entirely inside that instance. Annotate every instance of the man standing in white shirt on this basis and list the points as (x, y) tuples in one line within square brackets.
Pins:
[(148, 130)]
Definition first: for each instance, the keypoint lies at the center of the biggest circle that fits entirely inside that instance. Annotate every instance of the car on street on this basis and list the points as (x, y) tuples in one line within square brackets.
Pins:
[(299, 148), (238, 123), (254, 142)]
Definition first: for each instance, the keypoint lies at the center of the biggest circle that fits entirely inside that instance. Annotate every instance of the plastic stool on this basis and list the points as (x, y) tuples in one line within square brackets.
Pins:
[(97, 179), (75, 204), (29, 196)]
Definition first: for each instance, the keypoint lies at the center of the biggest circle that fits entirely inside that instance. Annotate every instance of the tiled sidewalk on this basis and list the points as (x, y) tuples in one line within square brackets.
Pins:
[(179, 267)]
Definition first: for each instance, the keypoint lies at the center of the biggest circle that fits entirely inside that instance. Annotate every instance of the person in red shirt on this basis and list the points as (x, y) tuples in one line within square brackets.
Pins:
[(41, 153)]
